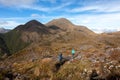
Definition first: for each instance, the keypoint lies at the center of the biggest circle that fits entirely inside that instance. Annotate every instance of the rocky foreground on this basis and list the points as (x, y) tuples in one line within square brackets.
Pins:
[(84, 66)]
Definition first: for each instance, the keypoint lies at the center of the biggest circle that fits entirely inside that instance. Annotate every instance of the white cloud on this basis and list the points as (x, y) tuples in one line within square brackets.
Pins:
[(9, 24), (27, 4), (62, 6), (35, 15), (33, 4), (100, 22), (97, 6), (81, 9), (96, 19), (3, 22), (104, 30), (118, 29), (50, 9), (39, 8), (38, 16)]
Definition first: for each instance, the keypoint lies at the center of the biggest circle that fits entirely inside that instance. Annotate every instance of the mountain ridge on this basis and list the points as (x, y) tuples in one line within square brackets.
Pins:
[(34, 32)]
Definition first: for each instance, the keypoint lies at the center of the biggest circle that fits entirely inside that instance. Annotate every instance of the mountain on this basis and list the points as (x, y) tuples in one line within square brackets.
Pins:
[(2, 30), (24, 35), (54, 32), (64, 24), (33, 26), (66, 31)]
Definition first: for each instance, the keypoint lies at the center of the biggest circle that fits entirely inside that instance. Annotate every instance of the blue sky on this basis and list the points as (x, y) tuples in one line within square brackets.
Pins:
[(98, 15)]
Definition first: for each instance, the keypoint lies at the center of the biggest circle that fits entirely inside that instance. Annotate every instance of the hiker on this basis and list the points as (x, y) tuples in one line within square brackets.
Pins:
[(73, 53), (94, 75), (60, 57)]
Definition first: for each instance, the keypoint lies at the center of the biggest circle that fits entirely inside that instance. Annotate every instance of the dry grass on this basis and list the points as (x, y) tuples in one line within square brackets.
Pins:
[(72, 71)]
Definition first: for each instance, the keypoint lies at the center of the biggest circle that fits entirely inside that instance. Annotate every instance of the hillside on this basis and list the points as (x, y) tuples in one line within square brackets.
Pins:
[(24, 35), (67, 31), (36, 47), (110, 39), (3, 47), (65, 25)]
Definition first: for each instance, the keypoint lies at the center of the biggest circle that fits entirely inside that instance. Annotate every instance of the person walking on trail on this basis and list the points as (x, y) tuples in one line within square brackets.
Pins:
[(73, 53), (60, 57), (94, 75)]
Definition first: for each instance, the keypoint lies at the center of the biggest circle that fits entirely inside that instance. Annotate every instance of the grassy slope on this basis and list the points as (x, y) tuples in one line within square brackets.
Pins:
[(3, 46), (14, 42)]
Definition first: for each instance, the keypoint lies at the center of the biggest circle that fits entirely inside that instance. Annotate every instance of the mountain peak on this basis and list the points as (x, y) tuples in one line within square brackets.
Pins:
[(62, 23), (63, 20), (33, 26), (33, 22)]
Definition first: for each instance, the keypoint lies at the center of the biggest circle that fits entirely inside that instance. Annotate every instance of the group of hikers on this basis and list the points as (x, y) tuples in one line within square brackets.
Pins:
[(60, 57)]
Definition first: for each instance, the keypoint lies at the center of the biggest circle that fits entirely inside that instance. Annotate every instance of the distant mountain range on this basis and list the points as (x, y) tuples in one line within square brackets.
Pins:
[(3, 30)]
